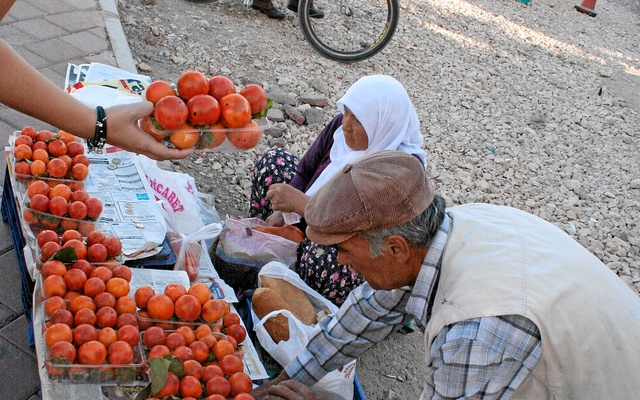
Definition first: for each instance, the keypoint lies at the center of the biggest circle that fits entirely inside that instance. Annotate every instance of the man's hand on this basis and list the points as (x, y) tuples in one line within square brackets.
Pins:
[(261, 392), (291, 390)]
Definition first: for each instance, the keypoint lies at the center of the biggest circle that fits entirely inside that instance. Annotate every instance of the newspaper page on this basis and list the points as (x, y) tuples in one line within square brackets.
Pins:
[(130, 211), (79, 76), (207, 274)]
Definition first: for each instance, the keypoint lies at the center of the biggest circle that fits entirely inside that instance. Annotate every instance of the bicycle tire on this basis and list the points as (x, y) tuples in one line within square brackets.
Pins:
[(351, 30)]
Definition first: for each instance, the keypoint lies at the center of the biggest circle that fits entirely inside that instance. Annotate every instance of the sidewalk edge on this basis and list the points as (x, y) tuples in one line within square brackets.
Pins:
[(117, 37)]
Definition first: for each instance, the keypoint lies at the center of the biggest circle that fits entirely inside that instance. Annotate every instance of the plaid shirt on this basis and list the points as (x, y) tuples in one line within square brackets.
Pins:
[(481, 358)]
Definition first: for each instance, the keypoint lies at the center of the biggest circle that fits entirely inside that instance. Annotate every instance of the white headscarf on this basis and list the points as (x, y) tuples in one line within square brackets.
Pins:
[(387, 115)]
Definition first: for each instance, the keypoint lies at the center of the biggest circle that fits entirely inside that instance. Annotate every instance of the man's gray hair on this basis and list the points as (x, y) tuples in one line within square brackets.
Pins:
[(419, 231)]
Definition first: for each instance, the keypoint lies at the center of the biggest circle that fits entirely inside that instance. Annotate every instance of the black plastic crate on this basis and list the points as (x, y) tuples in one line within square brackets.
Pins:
[(165, 259)]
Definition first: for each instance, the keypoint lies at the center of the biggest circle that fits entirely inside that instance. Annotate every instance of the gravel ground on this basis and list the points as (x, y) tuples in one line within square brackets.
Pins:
[(532, 106)]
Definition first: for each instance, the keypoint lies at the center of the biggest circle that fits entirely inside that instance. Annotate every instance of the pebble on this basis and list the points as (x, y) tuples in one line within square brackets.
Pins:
[(294, 114), (314, 100), (533, 84)]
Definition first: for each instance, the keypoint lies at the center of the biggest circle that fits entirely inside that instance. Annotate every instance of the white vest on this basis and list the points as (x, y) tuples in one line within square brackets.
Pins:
[(500, 261)]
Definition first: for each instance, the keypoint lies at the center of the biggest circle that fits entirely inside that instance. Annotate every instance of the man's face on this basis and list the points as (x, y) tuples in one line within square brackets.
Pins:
[(381, 272)]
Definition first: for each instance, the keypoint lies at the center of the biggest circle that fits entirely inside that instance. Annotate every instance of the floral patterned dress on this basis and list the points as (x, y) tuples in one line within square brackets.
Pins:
[(317, 265)]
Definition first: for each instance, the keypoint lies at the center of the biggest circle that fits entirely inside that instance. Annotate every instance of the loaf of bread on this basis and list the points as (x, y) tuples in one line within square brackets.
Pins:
[(264, 301), (299, 303)]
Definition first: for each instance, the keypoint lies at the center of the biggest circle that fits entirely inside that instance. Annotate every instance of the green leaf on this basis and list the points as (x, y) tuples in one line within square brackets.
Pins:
[(207, 139), (159, 370), (66, 255), (52, 219), (59, 360), (177, 367), (160, 367), (264, 111), (156, 124), (145, 393), (125, 374)]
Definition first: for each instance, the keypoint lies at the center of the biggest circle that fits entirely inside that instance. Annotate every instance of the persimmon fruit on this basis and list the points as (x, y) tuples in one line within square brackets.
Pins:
[(192, 83), (85, 316), (220, 86), (120, 352), (53, 267), (171, 386), (213, 310), (245, 138), (256, 96), (142, 296), (107, 336), (212, 137), (38, 187), (187, 308), (203, 110), (160, 306), (235, 111), (190, 386), (174, 291), (201, 291), (58, 333), (74, 278), (240, 383), (154, 336), (159, 89), (218, 385), (84, 333), (185, 138), (106, 317), (92, 353), (171, 112)]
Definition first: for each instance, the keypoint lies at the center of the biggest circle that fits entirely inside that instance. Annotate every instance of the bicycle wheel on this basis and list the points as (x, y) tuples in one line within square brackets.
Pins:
[(351, 30)]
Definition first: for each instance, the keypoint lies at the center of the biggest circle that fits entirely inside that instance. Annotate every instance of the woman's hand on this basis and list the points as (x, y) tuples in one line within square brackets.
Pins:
[(123, 131), (275, 219), (286, 198), (291, 390)]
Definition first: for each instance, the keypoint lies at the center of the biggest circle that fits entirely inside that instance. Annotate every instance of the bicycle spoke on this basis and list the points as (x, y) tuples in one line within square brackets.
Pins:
[(352, 26)]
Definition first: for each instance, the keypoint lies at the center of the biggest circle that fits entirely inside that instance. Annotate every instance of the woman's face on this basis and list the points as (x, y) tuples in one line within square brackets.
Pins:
[(354, 134)]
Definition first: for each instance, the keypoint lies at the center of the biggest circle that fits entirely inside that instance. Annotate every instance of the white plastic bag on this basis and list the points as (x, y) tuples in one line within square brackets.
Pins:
[(189, 247), (177, 192), (242, 251), (336, 385), (95, 95)]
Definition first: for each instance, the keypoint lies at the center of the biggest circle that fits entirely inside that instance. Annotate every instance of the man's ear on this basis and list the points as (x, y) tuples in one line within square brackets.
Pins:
[(398, 248)]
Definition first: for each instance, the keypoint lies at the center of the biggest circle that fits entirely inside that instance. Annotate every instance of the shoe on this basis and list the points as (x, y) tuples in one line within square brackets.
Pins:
[(313, 12), (269, 12)]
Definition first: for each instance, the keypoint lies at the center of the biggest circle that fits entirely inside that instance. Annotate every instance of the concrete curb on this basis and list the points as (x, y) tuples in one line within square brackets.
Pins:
[(117, 37)]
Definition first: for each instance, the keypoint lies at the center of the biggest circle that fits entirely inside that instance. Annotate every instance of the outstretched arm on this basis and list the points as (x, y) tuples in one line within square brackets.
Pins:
[(31, 93)]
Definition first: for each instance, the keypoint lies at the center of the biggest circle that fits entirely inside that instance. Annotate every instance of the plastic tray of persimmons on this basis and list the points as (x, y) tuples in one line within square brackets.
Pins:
[(208, 114), (96, 331), (193, 344), (49, 169), (90, 330)]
